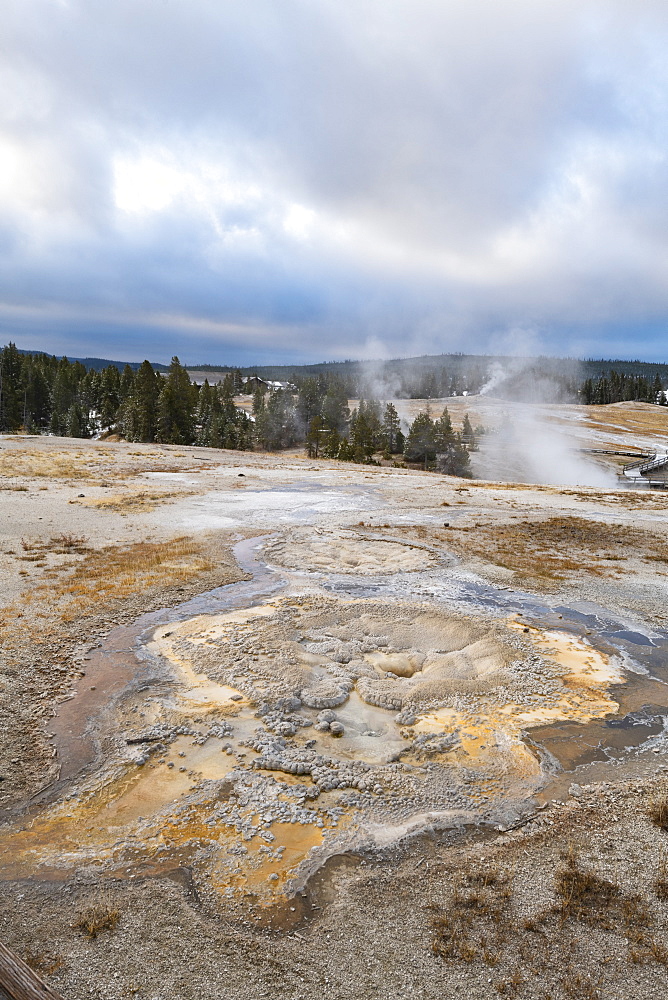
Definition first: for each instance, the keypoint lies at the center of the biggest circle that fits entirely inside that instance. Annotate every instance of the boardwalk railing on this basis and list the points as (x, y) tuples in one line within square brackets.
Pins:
[(19, 981), (647, 464)]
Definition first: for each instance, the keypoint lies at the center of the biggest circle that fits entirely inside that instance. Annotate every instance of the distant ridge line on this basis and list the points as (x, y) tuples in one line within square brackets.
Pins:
[(578, 368)]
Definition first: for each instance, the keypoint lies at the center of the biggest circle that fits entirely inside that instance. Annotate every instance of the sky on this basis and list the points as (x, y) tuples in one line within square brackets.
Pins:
[(248, 181)]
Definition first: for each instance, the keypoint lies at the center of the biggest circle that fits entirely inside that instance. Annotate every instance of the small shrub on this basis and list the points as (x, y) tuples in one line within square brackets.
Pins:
[(658, 811), (95, 920), (661, 882)]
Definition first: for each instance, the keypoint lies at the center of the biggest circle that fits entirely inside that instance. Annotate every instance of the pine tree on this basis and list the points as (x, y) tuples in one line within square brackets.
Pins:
[(309, 402), (454, 460), (421, 441), (468, 436), (258, 399), (146, 390), (205, 414), (391, 429), (314, 436), (176, 423), (335, 412), (443, 432), (276, 425)]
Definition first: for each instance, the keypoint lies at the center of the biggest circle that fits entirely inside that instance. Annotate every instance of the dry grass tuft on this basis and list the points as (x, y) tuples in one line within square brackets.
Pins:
[(475, 926), (482, 924), (661, 881), (95, 920), (132, 503), (44, 963), (658, 810), (97, 582), (64, 544), (36, 464)]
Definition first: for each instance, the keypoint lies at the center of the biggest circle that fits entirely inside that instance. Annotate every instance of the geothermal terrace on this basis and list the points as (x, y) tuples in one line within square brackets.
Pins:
[(284, 676)]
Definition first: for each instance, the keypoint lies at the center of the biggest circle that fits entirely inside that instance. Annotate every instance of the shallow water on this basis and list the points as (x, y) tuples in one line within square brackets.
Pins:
[(123, 669), (120, 662)]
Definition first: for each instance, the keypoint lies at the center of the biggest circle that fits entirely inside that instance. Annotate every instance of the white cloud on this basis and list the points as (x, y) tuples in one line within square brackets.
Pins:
[(424, 175)]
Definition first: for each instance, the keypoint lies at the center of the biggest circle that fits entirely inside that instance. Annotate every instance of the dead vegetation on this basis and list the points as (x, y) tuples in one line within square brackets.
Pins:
[(96, 579), (484, 924), (91, 464), (545, 552), (661, 881), (658, 810), (117, 572), (140, 501), (63, 544), (628, 498), (43, 962), (38, 464), (97, 919)]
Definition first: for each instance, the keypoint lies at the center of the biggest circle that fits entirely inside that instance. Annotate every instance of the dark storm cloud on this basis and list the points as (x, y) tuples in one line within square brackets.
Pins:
[(319, 179)]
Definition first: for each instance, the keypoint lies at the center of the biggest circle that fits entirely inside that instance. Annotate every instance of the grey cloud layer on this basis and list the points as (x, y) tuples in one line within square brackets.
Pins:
[(322, 179)]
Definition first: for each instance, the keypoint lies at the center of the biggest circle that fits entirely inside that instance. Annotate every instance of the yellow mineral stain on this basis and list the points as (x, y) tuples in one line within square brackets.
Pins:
[(98, 818), (583, 663), (480, 738)]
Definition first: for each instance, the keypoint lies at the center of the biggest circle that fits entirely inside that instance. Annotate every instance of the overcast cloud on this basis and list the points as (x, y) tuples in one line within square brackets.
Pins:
[(320, 179)]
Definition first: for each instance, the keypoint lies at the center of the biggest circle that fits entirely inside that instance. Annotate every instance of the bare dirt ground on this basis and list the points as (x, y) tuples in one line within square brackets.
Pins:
[(362, 775)]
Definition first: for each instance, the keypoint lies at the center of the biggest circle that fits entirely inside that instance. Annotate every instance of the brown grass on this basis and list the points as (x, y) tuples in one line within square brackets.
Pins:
[(117, 572), (474, 927), (658, 810), (630, 498), (63, 544), (132, 503), (91, 464), (547, 551), (483, 924), (97, 580), (661, 881), (43, 962), (95, 920), (35, 464)]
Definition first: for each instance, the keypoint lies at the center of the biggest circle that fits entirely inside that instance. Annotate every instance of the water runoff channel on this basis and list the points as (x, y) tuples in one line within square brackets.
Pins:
[(139, 794)]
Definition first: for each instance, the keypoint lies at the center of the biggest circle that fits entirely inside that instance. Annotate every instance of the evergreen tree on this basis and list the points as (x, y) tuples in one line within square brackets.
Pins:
[(126, 383), (205, 413), (391, 429), (258, 399), (421, 441), (176, 423), (335, 412), (454, 460), (314, 436), (468, 437), (110, 396), (145, 394), (309, 402), (63, 395), (276, 425), (11, 389), (443, 432)]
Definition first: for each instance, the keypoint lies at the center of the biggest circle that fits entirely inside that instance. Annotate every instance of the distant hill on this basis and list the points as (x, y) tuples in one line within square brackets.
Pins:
[(99, 363), (456, 363), (413, 370)]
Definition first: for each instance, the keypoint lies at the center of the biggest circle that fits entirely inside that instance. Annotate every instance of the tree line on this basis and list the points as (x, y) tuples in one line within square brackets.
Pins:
[(41, 394), (617, 387)]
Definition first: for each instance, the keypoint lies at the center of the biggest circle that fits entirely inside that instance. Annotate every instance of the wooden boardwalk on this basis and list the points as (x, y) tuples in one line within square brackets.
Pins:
[(19, 982)]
